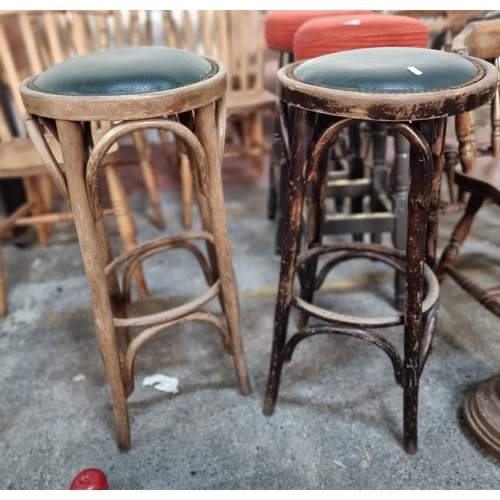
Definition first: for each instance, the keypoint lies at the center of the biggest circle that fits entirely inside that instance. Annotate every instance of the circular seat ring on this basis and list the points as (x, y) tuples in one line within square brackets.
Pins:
[(389, 107)]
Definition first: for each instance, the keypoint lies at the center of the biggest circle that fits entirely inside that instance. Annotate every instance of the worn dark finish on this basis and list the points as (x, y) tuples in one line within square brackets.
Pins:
[(280, 154), (303, 131), (427, 112)]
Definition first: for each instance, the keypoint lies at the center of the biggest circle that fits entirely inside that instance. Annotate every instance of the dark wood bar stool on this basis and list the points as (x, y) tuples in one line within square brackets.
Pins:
[(413, 91), (280, 29), (136, 89)]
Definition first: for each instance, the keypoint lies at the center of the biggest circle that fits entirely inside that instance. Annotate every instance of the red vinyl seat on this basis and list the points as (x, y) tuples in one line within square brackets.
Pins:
[(281, 25), (330, 34)]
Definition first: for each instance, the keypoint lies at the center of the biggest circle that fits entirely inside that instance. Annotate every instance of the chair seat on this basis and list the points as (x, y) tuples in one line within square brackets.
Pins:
[(19, 158), (126, 71), (245, 102), (482, 130), (387, 69), (281, 25), (484, 177), (327, 35)]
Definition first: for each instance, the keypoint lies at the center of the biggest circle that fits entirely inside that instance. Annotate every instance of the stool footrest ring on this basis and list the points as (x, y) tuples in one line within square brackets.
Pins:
[(135, 255), (390, 256)]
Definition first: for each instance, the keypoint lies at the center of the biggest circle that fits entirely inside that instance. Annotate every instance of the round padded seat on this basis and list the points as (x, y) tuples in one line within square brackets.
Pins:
[(126, 71), (281, 25), (330, 34), (387, 69)]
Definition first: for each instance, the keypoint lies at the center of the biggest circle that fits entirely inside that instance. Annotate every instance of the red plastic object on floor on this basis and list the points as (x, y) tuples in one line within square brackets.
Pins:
[(90, 479)]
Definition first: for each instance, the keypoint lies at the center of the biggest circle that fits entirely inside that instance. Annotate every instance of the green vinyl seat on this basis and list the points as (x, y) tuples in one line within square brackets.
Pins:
[(397, 70), (126, 71)]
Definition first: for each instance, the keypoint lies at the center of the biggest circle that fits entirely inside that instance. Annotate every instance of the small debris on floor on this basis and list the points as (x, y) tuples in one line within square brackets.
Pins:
[(36, 263), (79, 377), (340, 464), (367, 455), (162, 383)]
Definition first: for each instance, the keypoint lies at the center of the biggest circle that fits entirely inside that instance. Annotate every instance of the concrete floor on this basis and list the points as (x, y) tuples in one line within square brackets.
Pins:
[(338, 423)]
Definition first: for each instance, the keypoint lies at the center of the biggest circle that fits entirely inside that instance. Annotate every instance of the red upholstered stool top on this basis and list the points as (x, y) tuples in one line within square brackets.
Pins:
[(281, 25), (326, 35)]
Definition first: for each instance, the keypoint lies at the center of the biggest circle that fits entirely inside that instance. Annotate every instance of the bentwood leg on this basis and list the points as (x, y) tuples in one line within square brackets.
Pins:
[(94, 256), (418, 206), (314, 227), (204, 211), (303, 131), (438, 162), (276, 153), (207, 134), (114, 291)]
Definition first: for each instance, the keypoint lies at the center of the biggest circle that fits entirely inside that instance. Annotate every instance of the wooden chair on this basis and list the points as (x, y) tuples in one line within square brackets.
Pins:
[(236, 38), (91, 31), (478, 175), (443, 25), (41, 46)]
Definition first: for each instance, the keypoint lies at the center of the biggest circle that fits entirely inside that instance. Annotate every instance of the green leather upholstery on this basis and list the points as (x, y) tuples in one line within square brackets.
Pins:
[(127, 71), (385, 69)]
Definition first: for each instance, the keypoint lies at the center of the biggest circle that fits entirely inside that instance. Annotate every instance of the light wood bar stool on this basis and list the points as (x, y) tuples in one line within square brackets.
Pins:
[(139, 88), (412, 90)]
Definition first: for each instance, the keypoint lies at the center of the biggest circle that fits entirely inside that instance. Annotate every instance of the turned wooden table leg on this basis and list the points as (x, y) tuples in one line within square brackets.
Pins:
[(302, 136), (460, 232), (94, 256), (207, 134)]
